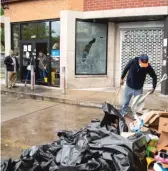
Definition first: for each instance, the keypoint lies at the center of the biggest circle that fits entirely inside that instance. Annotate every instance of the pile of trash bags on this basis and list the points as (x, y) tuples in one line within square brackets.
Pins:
[(96, 147)]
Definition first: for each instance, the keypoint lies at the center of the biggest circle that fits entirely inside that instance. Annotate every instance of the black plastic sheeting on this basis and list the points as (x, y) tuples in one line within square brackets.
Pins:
[(97, 147)]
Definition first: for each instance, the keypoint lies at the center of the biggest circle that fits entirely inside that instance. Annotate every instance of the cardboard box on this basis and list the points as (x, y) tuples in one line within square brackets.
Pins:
[(163, 124), (163, 141), (152, 118)]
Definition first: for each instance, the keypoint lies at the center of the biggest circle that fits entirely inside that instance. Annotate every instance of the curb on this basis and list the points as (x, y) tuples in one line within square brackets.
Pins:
[(60, 100), (51, 99)]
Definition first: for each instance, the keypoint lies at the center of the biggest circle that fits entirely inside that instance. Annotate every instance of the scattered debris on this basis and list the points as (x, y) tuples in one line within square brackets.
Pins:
[(102, 146), (154, 124)]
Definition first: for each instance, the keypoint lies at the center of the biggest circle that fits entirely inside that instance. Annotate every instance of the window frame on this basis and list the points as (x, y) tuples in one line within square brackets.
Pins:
[(33, 21), (12, 31), (90, 74), (34, 39)]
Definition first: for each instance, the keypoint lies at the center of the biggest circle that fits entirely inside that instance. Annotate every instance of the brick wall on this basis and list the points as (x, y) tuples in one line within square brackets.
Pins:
[(92, 5), (76, 5), (40, 9)]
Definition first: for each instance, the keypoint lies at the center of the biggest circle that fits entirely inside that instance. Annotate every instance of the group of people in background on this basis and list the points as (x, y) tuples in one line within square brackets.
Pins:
[(12, 66)]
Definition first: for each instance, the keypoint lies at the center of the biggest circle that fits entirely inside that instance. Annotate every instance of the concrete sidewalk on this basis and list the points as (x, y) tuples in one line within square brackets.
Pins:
[(84, 97)]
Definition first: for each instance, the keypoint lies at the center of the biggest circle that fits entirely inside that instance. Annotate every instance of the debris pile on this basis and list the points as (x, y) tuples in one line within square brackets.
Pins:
[(154, 125), (100, 146)]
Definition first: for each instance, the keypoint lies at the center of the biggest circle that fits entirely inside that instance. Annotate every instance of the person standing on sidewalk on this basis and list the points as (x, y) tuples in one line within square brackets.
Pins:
[(42, 65), (137, 69), (12, 66)]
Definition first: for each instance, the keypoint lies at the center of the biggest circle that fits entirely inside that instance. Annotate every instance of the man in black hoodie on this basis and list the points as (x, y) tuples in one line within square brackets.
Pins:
[(12, 66), (137, 69)]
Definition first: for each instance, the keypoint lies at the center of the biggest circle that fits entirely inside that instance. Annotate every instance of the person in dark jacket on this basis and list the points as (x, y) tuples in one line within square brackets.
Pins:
[(12, 66), (137, 69)]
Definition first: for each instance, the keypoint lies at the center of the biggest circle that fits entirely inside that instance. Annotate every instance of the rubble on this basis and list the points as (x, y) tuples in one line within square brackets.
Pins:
[(101, 146), (155, 127)]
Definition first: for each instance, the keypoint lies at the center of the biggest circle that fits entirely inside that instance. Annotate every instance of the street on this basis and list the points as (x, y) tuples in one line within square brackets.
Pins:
[(66, 64), (28, 122)]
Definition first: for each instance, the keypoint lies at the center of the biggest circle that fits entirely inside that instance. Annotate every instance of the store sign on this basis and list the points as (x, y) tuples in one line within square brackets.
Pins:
[(55, 53)]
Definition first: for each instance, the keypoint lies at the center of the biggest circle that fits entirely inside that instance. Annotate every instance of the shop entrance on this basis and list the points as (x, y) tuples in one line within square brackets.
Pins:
[(42, 67), (44, 73)]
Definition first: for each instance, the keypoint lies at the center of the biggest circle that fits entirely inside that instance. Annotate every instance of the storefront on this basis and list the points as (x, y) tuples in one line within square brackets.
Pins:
[(103, 47), (95, 54), (28, 39), (85, 48)]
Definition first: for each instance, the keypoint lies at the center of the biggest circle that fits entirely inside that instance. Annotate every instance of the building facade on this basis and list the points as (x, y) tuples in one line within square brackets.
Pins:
[(88, 41)]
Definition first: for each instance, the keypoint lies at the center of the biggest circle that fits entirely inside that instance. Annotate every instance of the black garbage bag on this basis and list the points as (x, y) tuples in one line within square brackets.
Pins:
[(94, 165), (7, 165), (68, 169), (115, 149), (139, 145), (113, 120), (68, 137), (96, 147)]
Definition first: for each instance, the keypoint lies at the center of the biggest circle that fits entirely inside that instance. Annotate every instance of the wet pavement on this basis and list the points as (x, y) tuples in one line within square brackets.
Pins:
[(27, 122)]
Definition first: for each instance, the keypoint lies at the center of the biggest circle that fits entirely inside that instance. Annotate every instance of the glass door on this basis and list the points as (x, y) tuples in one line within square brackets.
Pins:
[(43, 63), (26, 56), (55, 53), (38, 50), (46, 66)]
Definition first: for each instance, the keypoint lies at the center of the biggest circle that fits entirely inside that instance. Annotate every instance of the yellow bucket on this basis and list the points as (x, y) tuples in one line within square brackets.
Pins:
[(45, 79), (150, 162), (52, 78)]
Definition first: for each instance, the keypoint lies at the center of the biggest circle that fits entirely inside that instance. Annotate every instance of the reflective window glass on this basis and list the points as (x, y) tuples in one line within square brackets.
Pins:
[(91, 51)]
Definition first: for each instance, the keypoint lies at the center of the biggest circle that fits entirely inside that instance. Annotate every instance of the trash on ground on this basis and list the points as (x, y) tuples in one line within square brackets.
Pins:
[(156, 130), (136, 125), (102, 146), (159, 167), (127, 134), (163, 141), (163, 124), (152, 118)]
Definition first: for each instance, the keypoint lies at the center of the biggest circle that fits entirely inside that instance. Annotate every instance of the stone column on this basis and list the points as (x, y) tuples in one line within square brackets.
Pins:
[(67, 45), (164, 86), (7, 29)]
